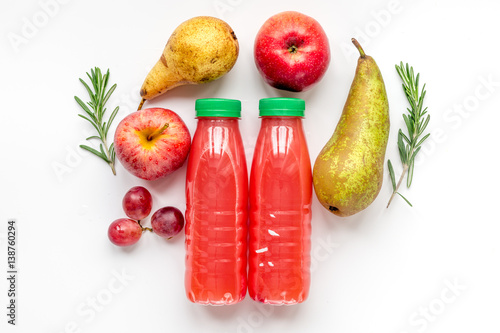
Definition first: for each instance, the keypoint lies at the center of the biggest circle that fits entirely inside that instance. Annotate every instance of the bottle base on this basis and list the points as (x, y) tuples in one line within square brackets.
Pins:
[(227, 300), (278, 302)]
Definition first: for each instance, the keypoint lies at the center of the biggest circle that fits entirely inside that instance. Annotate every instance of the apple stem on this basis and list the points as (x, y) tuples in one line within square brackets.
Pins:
[(157, 132), (141, 104), (358, 46)]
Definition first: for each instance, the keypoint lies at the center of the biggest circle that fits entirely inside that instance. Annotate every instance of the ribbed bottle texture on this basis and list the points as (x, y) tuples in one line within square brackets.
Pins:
[(280, 213), (216, 214)]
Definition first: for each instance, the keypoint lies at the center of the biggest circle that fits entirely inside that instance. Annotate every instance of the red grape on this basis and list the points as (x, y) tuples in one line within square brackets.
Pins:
[(124, 232), (137, 203), (167, 222)]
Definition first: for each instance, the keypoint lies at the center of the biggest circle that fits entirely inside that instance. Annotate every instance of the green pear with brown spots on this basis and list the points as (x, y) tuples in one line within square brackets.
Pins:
[(348, 172)]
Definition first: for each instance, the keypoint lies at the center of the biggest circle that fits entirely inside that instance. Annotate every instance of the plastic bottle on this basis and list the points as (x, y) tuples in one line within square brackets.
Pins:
[(280, 197), (216, 206)]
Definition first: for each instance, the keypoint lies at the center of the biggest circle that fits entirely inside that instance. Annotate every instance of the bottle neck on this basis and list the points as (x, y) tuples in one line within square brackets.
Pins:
[(218, 119), (229, 122), (281, 120)]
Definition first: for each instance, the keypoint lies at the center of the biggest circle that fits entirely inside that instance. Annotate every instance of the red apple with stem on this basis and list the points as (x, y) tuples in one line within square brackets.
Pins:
[(291, 51), (152, 143)]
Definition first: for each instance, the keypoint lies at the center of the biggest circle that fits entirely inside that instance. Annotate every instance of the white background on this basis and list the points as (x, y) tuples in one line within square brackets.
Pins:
[(431, 268)]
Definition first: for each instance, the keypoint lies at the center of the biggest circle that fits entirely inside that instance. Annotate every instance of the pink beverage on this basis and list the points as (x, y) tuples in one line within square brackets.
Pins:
[(280, 206), (217, 201)]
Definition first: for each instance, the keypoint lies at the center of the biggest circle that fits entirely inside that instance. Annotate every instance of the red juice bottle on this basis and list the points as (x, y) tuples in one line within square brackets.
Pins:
[(280, 197), (216, 206)]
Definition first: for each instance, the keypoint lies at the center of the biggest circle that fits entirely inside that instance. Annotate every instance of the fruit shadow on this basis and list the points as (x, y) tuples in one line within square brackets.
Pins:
[(189, 92), (219, 313), (274, 92), (125, 249), (168, 185), (248, 308), (333, 222)]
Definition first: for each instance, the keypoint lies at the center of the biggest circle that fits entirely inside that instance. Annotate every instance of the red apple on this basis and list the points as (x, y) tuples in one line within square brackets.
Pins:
[(291, 51), (152, 143)]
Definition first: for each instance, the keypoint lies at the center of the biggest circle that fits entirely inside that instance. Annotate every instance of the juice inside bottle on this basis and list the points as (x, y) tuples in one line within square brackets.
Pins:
[(280, 207), (216, 212)]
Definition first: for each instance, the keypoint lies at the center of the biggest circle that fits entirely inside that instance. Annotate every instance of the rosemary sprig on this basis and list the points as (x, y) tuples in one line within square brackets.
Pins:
[(409, 145), (95, 111)]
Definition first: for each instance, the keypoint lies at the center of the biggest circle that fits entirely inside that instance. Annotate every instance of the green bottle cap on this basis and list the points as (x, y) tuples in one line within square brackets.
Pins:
[(281, 106), (218, 107)]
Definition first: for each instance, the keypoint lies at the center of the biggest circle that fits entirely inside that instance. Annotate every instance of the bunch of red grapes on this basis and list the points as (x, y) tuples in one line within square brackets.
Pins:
[(137, 204)]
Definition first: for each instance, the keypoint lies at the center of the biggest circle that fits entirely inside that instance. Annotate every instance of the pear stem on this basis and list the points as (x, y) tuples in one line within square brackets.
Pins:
[(140, 105), (157, 132), (358, 46)]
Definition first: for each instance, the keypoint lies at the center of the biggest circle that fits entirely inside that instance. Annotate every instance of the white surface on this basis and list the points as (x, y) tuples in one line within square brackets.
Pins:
[(382, 270)]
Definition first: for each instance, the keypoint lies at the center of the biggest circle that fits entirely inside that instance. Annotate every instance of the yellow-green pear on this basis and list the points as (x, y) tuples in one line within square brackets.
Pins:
[(200, 50), (348, 172)]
